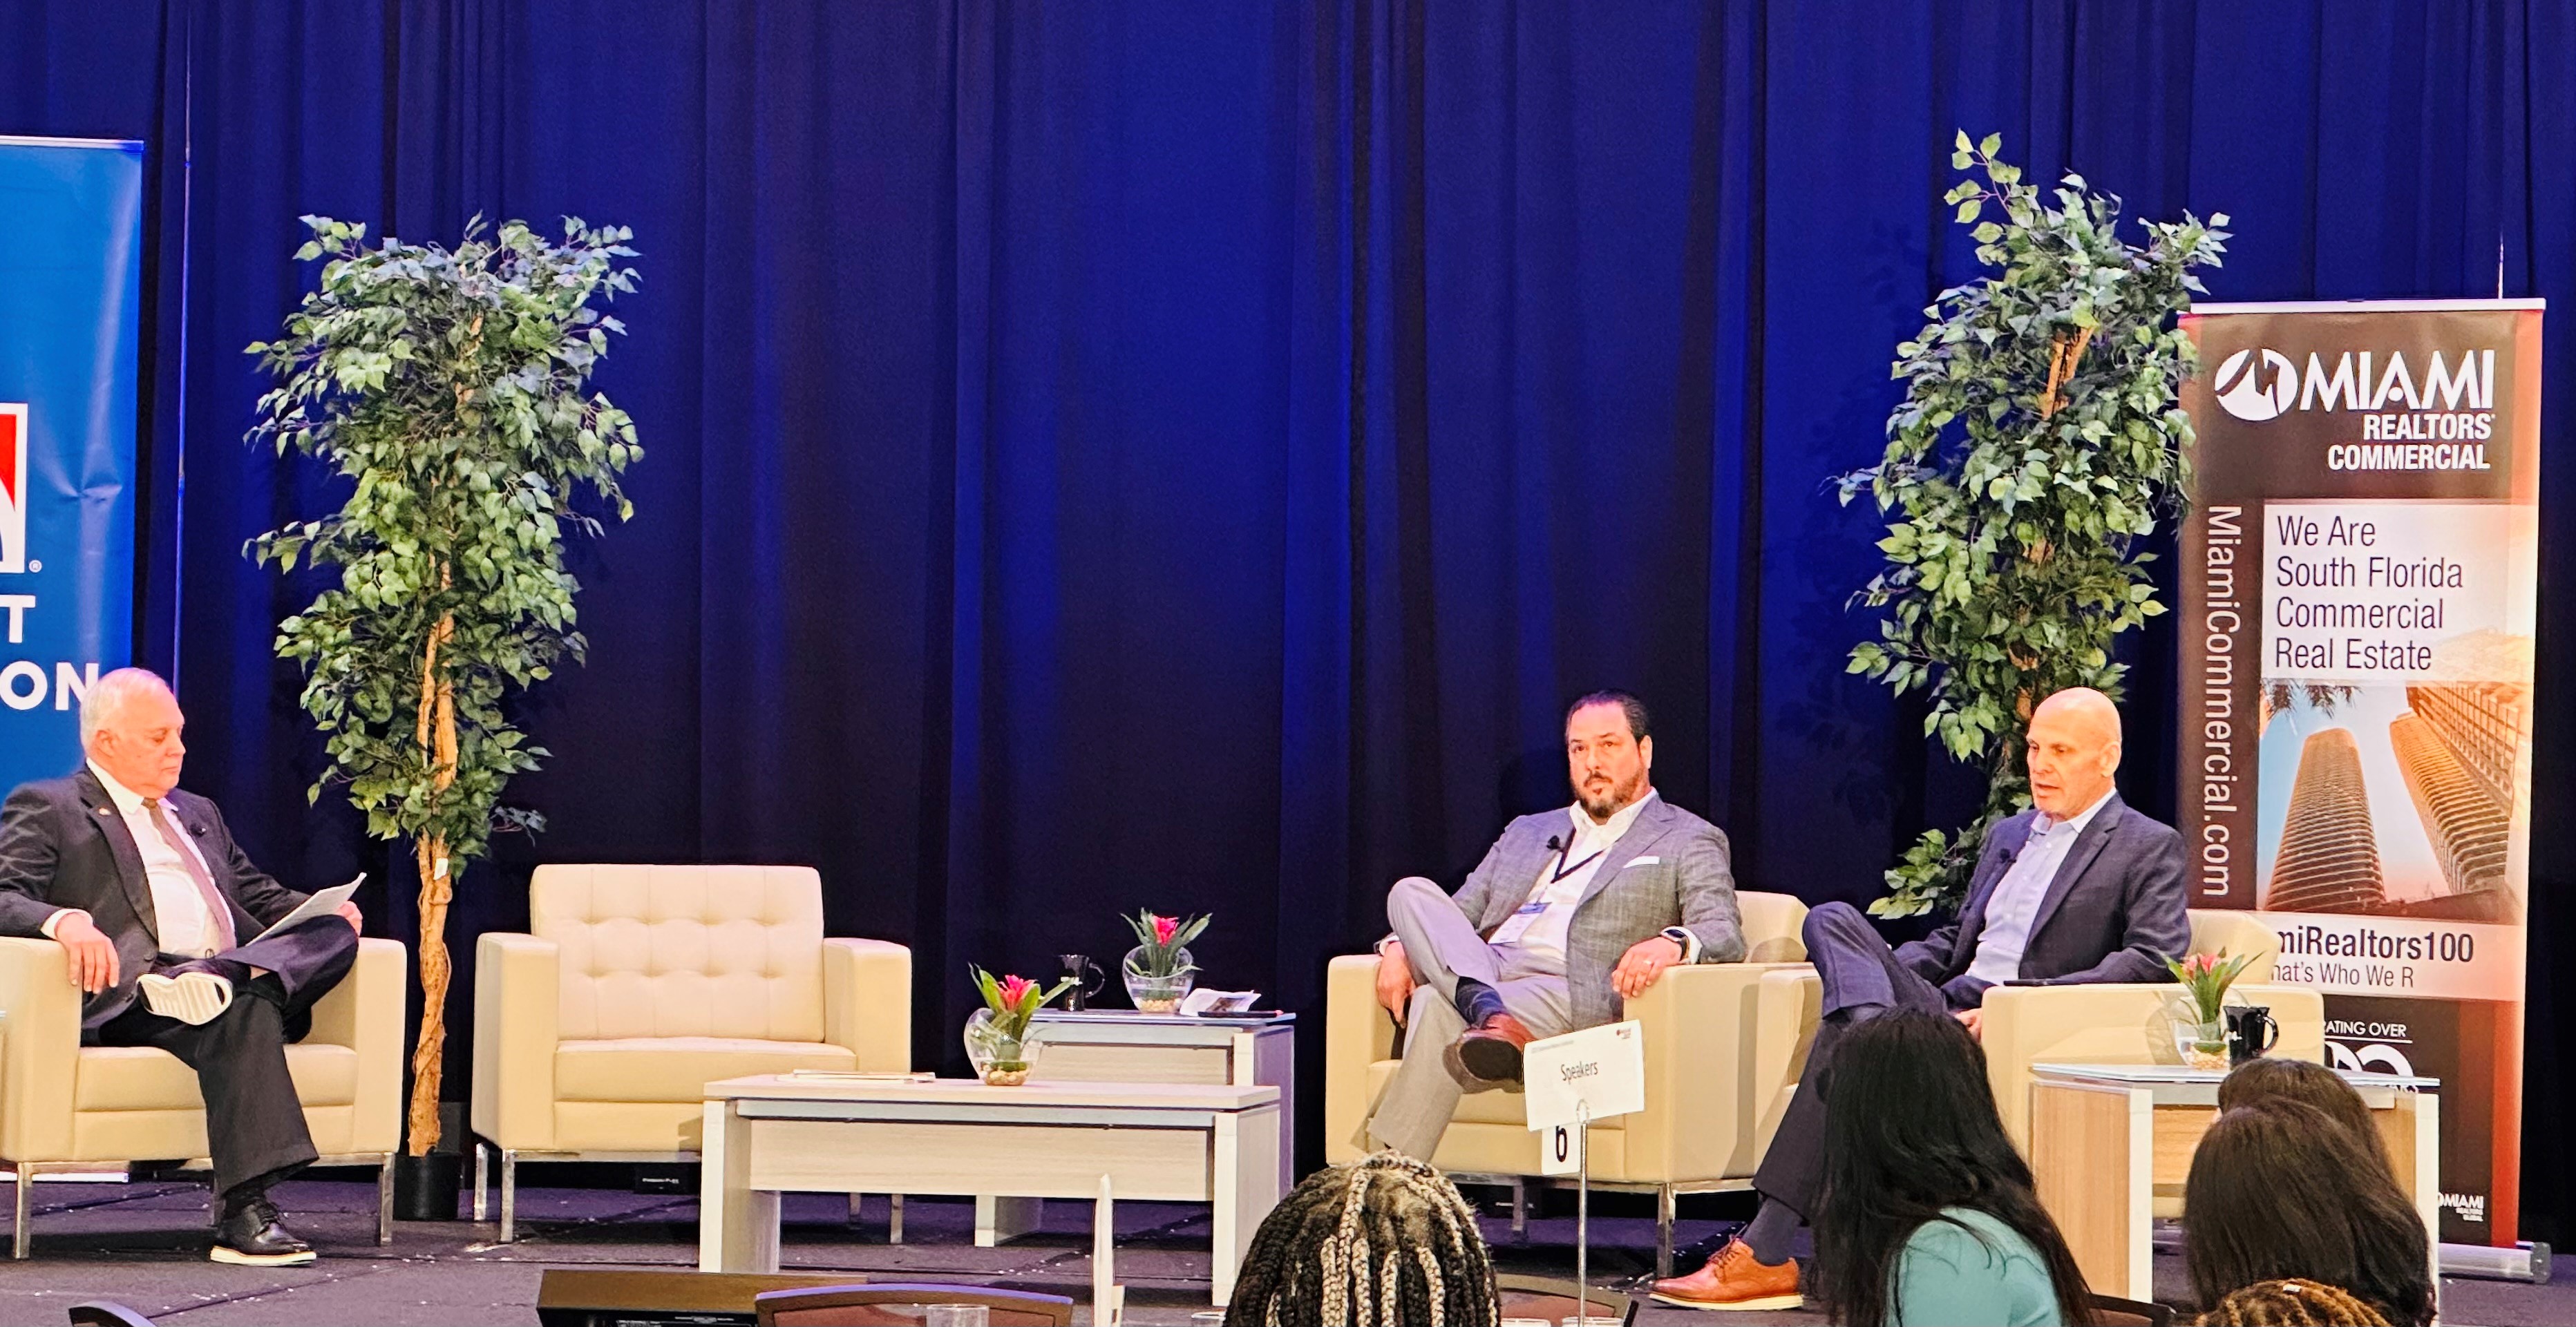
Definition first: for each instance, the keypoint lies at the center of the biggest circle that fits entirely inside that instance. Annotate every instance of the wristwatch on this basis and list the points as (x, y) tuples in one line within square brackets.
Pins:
[(1681, 935)]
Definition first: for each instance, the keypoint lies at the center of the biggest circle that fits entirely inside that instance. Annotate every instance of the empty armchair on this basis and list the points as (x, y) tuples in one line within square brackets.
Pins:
[(596, 1033), (1708, 1100), (65, 1106)]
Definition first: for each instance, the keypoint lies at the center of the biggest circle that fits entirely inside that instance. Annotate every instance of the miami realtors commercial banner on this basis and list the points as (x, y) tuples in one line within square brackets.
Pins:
[(71, 277), (2359, 575)]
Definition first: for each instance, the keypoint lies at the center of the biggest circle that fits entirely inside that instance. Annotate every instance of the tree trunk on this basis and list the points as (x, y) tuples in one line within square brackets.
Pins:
[(435, 730), (428, 1052)]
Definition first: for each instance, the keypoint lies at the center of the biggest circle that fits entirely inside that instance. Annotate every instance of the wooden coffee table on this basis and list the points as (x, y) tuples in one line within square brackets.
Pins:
[(2107, 1140), (779, 1133)]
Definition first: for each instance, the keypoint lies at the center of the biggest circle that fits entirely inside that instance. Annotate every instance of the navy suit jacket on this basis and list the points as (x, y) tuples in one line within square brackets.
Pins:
[(2117, 905), (63, 845)]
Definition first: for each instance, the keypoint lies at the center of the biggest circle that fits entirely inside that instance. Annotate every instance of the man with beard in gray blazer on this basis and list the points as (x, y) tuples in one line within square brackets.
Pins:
[(1571, 913)]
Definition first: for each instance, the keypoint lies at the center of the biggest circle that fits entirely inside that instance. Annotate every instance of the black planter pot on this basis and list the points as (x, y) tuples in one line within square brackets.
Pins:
[(425, 1187)]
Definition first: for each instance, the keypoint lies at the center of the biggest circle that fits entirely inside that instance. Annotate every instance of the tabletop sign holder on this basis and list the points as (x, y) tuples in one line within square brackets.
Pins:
[(1568, 1082)]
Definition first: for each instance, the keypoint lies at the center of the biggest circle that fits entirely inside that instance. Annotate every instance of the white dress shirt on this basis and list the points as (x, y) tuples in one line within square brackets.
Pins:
[(2015, 903), (1538, 928), (179, 911)]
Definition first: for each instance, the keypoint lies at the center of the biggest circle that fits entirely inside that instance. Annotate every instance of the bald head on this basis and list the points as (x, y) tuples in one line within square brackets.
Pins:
[(2074, 751), (130, 728)]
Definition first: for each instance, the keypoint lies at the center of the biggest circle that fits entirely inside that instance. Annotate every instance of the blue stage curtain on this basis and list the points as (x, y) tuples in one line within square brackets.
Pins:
[(1170, 455)]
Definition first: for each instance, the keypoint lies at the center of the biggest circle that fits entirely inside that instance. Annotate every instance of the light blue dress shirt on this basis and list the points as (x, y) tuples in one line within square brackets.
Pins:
[(2015, 903)]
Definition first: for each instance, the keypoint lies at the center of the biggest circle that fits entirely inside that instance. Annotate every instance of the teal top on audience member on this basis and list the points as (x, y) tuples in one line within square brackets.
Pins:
[(1982, 1275)]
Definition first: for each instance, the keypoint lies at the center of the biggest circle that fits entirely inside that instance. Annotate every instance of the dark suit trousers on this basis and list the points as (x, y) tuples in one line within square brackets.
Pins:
[(254, 1121), (1862, 980)]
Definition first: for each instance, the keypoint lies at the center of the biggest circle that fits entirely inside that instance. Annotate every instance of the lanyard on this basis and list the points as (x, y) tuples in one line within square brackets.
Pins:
[(1564, 870)]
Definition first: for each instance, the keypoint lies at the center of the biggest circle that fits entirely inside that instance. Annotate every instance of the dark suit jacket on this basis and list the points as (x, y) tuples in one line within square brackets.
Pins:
[(2117, 904), (63, 845)]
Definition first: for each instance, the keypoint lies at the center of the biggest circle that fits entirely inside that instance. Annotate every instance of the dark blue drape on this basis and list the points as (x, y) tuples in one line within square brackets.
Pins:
[(1183, 456)]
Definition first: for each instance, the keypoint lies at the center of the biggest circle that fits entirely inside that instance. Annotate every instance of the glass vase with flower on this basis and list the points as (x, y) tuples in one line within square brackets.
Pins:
[(2199, 1014), (998, 1042), (1158, 970)]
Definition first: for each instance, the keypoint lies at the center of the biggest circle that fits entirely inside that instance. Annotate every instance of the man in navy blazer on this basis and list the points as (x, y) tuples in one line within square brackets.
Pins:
[(2080, 888), (159, 914)]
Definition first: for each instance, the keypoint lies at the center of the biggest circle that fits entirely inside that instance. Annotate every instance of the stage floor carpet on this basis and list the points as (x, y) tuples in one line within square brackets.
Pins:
[(142, 1245)]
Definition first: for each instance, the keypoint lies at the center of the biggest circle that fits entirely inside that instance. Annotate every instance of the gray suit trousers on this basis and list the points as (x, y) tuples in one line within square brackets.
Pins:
[(1442, 946)]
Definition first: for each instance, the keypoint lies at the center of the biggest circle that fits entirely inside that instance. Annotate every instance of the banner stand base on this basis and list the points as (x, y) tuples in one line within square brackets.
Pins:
[(2526, 1261)]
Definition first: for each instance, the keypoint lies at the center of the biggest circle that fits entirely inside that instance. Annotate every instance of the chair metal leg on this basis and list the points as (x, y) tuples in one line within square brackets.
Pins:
[(509, 1194), (482, 1190), (894, 1219), (385, 1201), (18, 1237), (1664, 1206), (1520, 1208)]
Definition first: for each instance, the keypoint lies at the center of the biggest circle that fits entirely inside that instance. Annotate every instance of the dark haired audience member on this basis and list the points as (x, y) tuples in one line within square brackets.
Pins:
[(2291, 1304), (1928, 1215), (2280, 1191), (2286, 1079), (1382, 1240)]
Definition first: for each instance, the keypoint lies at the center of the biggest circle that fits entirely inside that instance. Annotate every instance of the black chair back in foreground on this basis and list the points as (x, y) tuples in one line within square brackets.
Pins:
[(894, 1303)]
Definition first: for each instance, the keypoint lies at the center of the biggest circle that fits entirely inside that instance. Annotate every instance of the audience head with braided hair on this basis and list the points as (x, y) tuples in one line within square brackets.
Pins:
[(2292, 1303), (2279, 1191), (1384, 1241)]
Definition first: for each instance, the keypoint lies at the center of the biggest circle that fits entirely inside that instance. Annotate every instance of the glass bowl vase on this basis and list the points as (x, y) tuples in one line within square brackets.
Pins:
[(2199, 1043), (1000, 1059), (1158, 993)]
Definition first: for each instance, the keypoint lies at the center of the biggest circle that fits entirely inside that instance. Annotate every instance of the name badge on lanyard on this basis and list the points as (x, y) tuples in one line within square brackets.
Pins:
[(1518, 924)]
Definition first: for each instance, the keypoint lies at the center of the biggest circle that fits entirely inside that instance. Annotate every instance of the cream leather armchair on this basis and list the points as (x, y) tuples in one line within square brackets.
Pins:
[(69, 1107), (596, 1035), (1713, 1087), (2127, 1024), (2108, 1023)]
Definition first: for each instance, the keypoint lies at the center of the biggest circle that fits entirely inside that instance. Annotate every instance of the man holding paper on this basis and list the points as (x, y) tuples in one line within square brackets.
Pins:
[(1571, 913), (160, 914)]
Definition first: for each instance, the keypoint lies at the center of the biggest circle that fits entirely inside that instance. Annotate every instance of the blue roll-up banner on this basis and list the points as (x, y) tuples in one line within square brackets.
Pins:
[(71, 283)]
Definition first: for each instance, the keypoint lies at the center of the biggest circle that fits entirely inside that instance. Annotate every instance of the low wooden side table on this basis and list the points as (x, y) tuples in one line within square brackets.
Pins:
[(786, 1133), (1122, 1046), (2107, 1139)]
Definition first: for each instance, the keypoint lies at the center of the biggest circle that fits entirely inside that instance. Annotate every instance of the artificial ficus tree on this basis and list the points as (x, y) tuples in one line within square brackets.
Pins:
[(450, 387), (2038, 442)]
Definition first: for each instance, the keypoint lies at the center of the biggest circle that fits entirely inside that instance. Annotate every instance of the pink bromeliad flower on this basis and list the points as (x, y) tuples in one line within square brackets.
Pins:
[(1013, 988), (1165, 928)]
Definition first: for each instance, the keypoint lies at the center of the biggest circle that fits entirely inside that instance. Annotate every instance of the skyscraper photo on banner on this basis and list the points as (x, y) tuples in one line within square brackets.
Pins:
[(71, 276), (2359, 580)]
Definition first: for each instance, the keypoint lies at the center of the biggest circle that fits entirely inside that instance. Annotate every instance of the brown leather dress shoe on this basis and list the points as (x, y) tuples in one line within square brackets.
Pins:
[(1734, 1279), (1488, 1055)]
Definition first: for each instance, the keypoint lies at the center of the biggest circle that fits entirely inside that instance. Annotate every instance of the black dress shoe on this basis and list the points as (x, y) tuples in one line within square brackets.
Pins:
[(249, 1236)]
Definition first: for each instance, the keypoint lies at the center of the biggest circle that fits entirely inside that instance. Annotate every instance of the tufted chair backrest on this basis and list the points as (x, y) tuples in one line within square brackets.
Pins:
[(684, 951)]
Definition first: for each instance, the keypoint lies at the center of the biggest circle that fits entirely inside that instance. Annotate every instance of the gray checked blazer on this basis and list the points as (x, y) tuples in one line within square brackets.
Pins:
[(1669, 869)]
